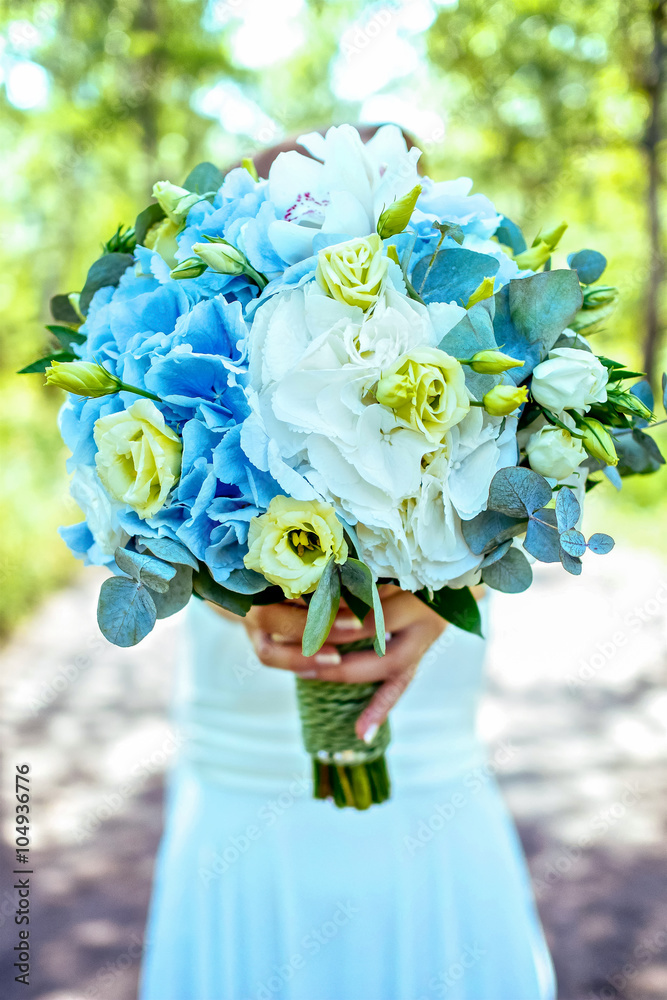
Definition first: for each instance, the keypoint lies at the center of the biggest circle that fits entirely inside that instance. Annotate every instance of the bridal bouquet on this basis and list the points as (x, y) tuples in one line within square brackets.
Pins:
[(341, 376)]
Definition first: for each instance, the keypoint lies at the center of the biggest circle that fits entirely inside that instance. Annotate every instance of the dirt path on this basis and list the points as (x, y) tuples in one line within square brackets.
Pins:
[(577, 686)]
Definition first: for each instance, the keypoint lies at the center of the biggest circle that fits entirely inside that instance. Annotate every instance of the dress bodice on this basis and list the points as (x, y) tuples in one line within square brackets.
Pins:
[(240, 719)]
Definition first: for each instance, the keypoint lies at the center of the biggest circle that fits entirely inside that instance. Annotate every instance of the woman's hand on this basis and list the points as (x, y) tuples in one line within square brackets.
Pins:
[(276, 630)]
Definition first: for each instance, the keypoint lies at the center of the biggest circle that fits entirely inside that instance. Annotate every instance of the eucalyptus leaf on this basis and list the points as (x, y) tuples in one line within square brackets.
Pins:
[(509, 234), (107, 270), (637, 453), (517, 492), (126, 611), (204, 585), (531, 313), (489, 529), (358, 608), (542, 538), (589, 265), (205, 178), (155, 573), (570, 563), (358, 579), (611, 472), (322, 609), (600, 544), (457, 606), (452, 275), (40, 366), (169, 550), (177, 594), (573, 542), (642, 390), (511, 574), (568, 510), (473, 333), (496, 554), (245, 581)]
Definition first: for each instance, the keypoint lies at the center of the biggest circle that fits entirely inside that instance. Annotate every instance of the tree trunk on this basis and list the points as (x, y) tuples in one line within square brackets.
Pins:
[(655, 88)]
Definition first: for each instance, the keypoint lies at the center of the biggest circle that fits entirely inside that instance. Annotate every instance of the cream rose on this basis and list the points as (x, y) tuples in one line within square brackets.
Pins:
[(138, 457), (569, 379), (426, 389), (554, 452), (292, 543), (353, 272)]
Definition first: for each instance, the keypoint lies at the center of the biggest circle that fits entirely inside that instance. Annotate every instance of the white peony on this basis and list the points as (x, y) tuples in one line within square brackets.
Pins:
[(569, 379)]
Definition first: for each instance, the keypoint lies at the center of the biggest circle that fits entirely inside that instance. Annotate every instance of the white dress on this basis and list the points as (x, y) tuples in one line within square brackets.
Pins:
[(262, 893)]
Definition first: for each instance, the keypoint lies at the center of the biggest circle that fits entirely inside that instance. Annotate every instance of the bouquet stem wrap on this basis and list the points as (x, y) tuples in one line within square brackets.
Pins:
[(353, 773)]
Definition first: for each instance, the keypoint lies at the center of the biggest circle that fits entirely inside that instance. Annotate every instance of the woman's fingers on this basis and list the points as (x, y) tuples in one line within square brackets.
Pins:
[(381, 704), (273, 651)]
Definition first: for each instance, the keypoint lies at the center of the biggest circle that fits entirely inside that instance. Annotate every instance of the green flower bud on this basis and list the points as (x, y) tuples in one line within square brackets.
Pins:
[(552, 238), (248, 165), (190, 268), (600, 295), (599, 303), (174, 201), (627, 402), (533, 258), (74, 298), (393, 220), (83, 378), (493, 362), (222, 257), (504, 399), (483, 291), (598, 442)]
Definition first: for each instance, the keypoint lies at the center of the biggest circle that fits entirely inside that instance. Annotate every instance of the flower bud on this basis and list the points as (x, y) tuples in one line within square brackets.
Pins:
[(493, 362), (483, 291), (627, 402), (598, 442), (393, 220), (174, 201), (83, 378), (553, 237), (222, 257), (599, 303), (504, 399), (249, 165), (534, 257), (190, 268)]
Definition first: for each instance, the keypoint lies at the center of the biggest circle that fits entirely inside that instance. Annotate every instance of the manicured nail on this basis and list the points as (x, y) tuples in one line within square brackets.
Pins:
[(308, 675), (328, 659), (277, 637), (348, 624), (371, 733)]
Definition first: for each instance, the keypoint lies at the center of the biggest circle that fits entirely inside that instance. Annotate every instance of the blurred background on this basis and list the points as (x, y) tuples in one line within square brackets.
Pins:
[(557, 111)]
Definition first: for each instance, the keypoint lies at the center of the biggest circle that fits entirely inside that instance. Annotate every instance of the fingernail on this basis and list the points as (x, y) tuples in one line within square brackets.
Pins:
[(348, 624), (277, 637), (371, 733), (328, 659), (308, 675)]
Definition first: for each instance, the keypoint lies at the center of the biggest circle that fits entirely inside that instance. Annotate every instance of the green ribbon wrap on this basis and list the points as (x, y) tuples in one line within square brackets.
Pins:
[(351, 772)]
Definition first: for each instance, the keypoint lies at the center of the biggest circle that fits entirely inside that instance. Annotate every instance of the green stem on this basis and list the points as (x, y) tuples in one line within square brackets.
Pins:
[(123, 387)]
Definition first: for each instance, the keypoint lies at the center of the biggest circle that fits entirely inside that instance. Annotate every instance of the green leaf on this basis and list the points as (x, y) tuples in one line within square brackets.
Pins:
[(509, 234), (322, 609), (154, 213), (358, 579), (206, 587), (107, 270), (489, 529), (63, 310), (457, 606), (589, 265), (66, 336), (511, 574), (573, 542), (205, 178), (155, 573), (541, 541), (40, 366), (452, 275), (600, 544), (126, 611), (568, 510), (358, 608)]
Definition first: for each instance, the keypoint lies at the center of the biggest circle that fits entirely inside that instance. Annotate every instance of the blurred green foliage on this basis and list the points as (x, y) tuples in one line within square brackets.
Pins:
[(553, 108)]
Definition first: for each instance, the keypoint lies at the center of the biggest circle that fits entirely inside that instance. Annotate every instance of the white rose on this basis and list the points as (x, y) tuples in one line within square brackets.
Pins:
[(554, 452), (569, 379), (99, 510)]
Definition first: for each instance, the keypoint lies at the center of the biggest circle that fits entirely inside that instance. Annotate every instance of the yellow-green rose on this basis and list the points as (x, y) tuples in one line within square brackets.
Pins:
[(426, 388), (292, 543), (138, 457), (353, 272)]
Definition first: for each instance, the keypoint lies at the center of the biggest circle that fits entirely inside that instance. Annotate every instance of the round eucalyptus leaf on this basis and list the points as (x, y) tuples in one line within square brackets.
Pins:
[(600, 543), (589, 265), (126, 611), (573, 542)]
